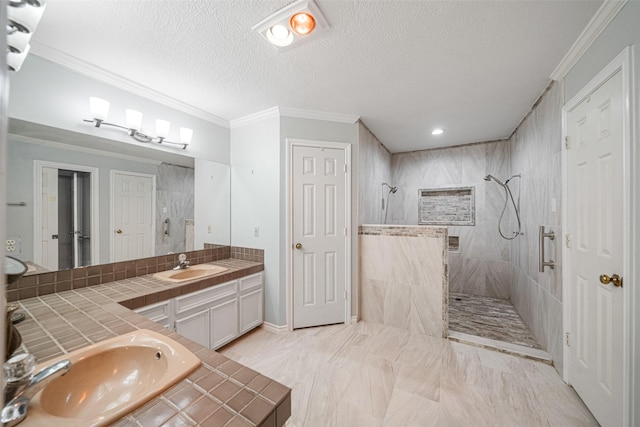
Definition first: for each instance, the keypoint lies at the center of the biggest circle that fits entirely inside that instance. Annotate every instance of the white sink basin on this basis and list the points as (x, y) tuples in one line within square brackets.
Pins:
[(110, 379), (199, 271)]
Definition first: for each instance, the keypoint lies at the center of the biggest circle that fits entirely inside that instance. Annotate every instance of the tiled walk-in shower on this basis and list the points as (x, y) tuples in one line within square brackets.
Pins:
[(488, 317)]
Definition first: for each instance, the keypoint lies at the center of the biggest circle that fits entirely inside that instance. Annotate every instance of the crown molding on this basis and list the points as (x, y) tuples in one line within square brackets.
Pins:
[(319, 115), (255, 118), (293, 112), (104, 76), (594, 28), (79, 149)]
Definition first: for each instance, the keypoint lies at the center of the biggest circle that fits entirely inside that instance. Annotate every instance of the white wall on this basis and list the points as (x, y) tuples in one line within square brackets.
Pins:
[(255, 195), (47, 93), (212, 198), (621, 32)]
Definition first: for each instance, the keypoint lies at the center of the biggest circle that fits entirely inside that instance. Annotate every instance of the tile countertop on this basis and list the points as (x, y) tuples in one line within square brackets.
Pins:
[(221, 392)]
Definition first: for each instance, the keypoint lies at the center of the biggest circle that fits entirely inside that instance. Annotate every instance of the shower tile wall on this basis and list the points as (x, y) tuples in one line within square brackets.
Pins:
[(536, 153), (481, 265), (174, 191), (374, 169)]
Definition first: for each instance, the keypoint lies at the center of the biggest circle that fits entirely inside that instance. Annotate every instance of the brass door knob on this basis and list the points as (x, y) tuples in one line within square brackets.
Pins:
[(615, 279), (298, 245), (118, 231)]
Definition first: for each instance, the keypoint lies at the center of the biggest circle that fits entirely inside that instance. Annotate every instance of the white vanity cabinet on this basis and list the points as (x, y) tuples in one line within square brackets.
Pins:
[(214, 316), (160, 313)]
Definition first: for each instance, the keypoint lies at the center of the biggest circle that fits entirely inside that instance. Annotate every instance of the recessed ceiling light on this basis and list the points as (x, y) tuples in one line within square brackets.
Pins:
[(437, 131), (279, 35), (302, 23)]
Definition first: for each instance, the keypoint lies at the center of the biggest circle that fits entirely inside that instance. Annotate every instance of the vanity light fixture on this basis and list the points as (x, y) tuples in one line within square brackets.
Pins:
[(292, 24), (100, 110), (23, 17), (437, 131)]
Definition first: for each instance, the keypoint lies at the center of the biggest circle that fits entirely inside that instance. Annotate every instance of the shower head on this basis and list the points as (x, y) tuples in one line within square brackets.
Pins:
[(491, 177), (514, 176), (391, 188)]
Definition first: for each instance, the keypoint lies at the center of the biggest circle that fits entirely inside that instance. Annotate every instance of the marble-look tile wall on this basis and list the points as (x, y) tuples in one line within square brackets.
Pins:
[(409, 290), (374, 169), (536, 153), (174, 200), (481, 265)]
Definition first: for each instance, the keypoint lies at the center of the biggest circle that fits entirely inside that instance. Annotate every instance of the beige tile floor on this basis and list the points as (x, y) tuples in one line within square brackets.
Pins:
[(368, 374)]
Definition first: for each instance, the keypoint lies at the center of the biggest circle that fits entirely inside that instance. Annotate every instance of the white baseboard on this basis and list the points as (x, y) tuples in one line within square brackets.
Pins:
[(274, 329), (354, 319)]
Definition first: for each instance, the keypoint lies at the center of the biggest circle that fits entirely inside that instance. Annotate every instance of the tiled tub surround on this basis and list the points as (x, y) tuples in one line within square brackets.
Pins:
[(218, 392), (59, 281), (403, 277)]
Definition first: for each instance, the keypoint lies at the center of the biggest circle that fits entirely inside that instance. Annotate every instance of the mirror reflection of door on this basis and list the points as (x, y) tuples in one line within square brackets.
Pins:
[(74, 219), (66, 218)]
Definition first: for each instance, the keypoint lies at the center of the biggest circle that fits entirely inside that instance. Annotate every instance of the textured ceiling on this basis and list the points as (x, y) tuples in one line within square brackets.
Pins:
[(474, 68)]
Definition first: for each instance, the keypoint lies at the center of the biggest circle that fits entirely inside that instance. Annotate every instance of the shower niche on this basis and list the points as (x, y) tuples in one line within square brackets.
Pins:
[(446, 206)]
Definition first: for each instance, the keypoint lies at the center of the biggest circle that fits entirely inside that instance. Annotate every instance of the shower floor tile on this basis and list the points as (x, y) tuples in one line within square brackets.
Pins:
[(487, 317)]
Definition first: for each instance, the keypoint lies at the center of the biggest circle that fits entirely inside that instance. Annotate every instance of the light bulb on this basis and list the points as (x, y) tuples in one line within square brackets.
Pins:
[(134, 119), (302, 23), (437, 131), (279, 35), (162, 128), (25, 18), (185, 135), (99, 108)]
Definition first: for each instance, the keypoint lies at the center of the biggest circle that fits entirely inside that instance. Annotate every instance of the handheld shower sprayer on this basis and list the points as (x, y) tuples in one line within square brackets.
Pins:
[(392, 189), (507, 196)]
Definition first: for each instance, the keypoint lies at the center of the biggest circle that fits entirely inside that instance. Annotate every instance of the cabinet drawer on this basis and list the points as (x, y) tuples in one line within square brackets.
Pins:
[(250, 281), (189, 301)]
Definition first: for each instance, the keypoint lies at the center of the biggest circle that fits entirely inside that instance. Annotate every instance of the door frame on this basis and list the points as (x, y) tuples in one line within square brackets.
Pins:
[(38, 165), (621, 63), (112, 177), (346, 147)]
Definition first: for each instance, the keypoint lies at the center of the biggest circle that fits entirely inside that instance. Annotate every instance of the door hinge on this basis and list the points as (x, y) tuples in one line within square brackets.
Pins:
[(567, 241), (566, 142), (566, 338), (345, 231)]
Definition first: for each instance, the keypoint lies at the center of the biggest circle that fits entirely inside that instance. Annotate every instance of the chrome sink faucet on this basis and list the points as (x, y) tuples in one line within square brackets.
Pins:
[(183, 263), (21, 385)]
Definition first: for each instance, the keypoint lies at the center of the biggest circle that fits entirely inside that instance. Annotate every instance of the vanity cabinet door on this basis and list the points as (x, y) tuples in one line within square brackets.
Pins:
[(195, 326), (224, 321), (251, 302), (161, 313)]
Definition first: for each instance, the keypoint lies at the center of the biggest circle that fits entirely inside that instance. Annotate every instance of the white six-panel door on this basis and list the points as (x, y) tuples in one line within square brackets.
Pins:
[(132, 215), (595, 218), (319, 235)]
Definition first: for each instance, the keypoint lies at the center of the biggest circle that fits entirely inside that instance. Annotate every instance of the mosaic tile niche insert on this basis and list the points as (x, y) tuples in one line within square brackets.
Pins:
[(447, 206)]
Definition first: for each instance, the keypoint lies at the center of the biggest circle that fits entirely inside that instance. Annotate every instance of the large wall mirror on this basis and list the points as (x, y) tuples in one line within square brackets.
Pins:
[(75, 199)]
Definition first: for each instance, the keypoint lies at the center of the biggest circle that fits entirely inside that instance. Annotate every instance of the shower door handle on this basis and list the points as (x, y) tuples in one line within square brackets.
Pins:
[(541, 262)]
